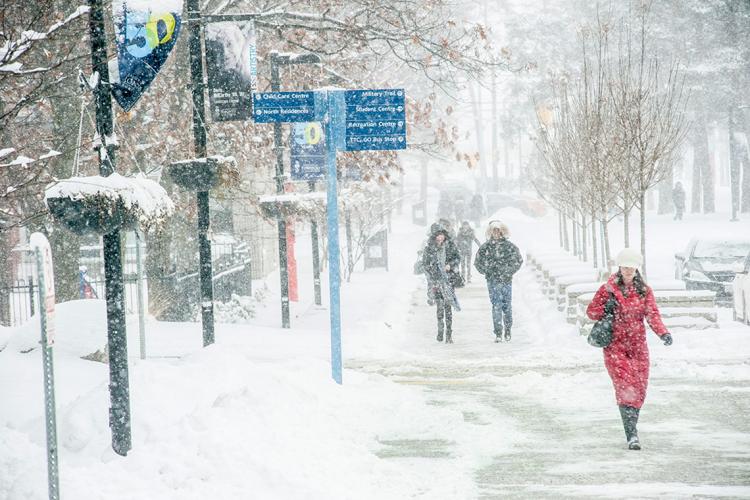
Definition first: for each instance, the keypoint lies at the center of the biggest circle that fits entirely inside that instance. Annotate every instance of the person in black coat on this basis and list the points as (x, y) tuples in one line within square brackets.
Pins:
[(498, 260), (476, 206), (465, 241), (440, 260), (678, 197)]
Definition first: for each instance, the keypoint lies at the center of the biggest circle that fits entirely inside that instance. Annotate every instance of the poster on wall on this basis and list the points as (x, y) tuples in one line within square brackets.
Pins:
[(146, 34), (232, 69)]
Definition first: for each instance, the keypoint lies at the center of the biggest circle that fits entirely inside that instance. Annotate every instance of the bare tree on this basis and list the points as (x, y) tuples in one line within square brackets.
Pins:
[(649, 104)]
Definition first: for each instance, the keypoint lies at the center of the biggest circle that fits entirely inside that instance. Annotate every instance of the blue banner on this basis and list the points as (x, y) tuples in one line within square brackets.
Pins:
[(308, 151), (145, 37)]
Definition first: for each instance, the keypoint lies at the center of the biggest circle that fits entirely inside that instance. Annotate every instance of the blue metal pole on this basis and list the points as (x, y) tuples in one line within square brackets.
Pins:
[(332, 211)]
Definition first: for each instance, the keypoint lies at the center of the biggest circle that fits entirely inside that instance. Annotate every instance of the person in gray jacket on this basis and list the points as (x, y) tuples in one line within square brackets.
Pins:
[(498, 260)]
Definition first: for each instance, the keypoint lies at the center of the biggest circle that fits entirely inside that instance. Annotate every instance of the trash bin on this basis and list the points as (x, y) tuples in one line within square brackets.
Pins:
[(376, 250)]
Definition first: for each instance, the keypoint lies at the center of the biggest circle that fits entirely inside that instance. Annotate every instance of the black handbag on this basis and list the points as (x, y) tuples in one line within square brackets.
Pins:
[(601, 333), (457, 281)]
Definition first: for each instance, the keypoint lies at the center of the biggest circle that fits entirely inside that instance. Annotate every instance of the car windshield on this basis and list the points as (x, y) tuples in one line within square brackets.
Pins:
[(721, 249)]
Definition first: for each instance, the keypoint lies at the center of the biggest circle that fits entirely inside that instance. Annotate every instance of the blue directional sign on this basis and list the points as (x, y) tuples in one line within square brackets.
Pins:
[(308, 151), (375, 119), (269, 107)]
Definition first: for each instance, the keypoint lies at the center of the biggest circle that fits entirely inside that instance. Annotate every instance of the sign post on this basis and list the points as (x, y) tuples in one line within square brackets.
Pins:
[(332, 214), (278, 107), (355, 120), (46, 280)]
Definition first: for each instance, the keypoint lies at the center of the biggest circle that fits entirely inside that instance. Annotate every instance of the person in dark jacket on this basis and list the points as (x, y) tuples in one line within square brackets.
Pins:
[(678, 197), (440, 260), (626, 357), (465, 239), (476, 206), (498, 260)]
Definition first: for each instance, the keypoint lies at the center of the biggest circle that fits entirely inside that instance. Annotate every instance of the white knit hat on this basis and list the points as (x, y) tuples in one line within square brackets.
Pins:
[(629, 258)]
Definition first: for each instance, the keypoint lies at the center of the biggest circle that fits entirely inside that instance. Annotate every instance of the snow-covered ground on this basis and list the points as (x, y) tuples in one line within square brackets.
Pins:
[(257, 415)]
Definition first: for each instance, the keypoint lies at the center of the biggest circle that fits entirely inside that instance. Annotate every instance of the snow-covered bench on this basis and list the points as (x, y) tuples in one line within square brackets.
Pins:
[(566, 273), (680, 309), (568, 300)]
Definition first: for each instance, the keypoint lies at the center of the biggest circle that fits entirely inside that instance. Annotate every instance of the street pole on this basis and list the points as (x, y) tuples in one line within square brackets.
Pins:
[(280, 221), (315, 255), (119, 388), (334, 279), (139, 295), (199, 142)]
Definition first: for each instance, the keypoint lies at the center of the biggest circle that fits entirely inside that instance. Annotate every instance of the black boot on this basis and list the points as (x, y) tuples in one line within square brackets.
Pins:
[(448, 338), (507, 333), (629, 416)]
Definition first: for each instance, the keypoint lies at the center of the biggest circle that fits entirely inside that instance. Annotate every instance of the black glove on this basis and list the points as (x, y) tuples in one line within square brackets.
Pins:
[(667, 338)]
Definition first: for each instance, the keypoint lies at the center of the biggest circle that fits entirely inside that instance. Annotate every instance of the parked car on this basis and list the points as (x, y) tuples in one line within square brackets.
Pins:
[(710, 264), (529, 206), (741, 286)]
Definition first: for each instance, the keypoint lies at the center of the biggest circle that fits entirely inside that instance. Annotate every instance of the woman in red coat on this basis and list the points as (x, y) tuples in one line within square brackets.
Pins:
[(626, 358)]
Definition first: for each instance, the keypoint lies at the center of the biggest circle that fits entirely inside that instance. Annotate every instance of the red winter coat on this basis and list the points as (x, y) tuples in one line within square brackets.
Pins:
[(626, 358)]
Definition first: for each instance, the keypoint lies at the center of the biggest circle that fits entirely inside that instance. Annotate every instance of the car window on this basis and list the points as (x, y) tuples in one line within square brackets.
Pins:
[(719, 249)]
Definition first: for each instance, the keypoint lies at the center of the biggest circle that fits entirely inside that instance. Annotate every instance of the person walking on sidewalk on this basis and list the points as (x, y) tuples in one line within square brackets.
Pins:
[(498, 260), (465, 240), (678, 197), (626, 357), (440, 260)]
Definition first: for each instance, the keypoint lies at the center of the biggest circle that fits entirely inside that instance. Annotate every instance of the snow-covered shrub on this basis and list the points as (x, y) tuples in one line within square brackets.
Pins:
[(99, 204)]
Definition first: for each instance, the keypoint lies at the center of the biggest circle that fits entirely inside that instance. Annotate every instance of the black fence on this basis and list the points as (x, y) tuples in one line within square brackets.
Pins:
[(231, 265)]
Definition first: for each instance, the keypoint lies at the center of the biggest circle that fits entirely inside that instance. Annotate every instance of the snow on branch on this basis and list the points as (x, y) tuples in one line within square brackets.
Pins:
[(12, 50)]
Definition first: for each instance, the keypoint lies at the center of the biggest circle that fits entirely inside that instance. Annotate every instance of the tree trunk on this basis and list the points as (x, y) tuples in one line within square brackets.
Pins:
[(574, 223), (735, 158), (566, 238), (520, 160), (594, 241), (476, 106), (495, 151), (704, 162), (560, 228), (626, 227), (165, 302), (584, 238), (607, 248), (745, 156), (643, 233), (6, 276), (506, 154), (65, 107), (695, 198)]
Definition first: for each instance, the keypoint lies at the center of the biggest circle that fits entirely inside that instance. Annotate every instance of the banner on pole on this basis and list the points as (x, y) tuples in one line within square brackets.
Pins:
[(307, 151), (146, 33), (232, 69)]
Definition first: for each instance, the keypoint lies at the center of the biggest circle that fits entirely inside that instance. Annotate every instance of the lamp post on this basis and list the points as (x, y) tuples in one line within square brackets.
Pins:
[(200, 147), (277, 60), (119, 387)]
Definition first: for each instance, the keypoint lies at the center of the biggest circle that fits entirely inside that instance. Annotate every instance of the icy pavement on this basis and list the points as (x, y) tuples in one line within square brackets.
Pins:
[(539, 417)]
